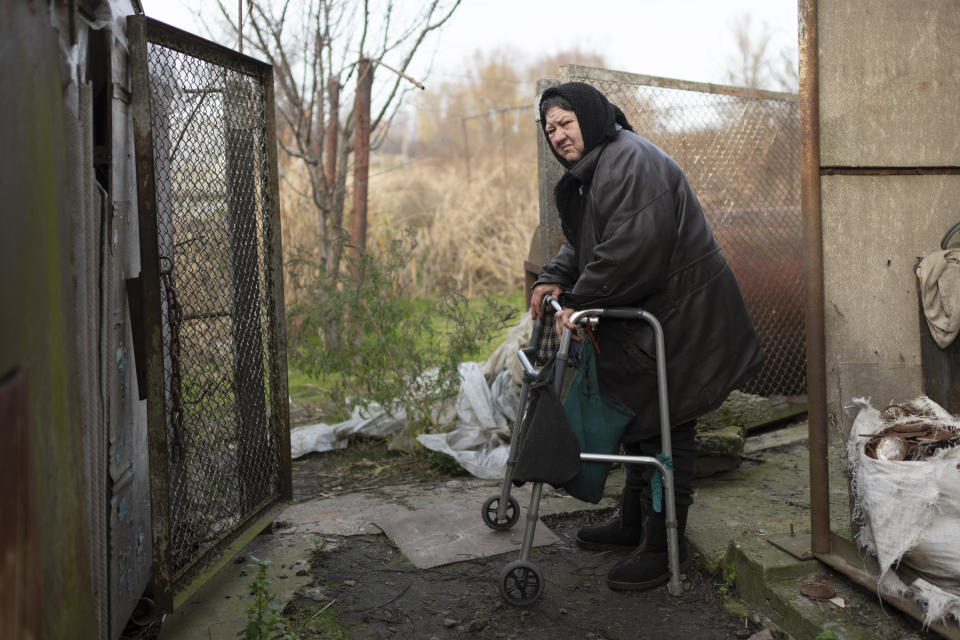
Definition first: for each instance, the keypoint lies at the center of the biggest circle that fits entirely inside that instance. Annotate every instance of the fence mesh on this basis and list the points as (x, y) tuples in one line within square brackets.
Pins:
[(212, 188), (740, 150)]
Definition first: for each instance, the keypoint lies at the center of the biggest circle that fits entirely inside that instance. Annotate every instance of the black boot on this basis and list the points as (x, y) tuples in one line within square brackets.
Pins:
[(623, 531), (647, 566)]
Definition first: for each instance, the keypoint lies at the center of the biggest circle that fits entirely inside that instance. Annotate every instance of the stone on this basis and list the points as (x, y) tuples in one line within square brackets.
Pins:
[(738, 409), (718, 450)]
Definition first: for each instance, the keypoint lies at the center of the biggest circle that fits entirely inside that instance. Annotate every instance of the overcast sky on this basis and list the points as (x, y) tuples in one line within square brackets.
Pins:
[(685, 39)]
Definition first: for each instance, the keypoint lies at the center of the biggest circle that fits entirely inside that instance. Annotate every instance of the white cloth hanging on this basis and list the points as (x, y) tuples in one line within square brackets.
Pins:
[(939, 278)]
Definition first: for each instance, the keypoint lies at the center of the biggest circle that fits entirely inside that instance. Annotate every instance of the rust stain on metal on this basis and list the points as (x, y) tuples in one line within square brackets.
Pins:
[(813, 276), (21, 608)]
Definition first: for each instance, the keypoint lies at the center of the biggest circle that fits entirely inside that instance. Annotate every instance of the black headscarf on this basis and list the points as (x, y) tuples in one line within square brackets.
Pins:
[(598, 119)]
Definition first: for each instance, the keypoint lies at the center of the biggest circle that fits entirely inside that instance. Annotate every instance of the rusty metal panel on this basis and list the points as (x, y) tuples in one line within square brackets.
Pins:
[(889, 83), (549, 172), (740, 149), (21, 576), (214, 302)]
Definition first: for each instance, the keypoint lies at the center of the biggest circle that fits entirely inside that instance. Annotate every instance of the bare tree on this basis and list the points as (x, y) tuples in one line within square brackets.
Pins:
[(315, 47), (755, 64)]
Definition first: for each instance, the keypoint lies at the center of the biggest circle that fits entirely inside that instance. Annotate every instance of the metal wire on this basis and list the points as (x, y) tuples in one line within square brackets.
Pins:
[(212, 185), (740, 150)]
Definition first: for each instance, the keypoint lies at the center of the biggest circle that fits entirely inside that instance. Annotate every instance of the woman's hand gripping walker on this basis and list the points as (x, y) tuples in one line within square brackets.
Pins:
[(521, 582)]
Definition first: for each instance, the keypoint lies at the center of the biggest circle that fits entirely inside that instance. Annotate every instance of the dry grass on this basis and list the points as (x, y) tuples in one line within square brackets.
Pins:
[(474, 231)]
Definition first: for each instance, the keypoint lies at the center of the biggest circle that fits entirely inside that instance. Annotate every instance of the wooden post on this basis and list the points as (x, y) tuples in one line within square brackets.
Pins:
[(466, 146), (333, 124), (361, 158)]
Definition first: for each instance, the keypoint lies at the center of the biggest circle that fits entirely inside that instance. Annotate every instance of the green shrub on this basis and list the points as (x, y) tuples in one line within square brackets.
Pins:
[(372, 341)]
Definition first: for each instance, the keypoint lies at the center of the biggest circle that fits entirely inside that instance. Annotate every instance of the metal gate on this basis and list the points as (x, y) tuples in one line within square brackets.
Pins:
[(212, 295)]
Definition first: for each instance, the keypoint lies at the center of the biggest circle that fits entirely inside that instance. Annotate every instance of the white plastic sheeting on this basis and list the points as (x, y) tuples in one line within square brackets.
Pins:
[(478, 437), (910, 512), (374, 422)]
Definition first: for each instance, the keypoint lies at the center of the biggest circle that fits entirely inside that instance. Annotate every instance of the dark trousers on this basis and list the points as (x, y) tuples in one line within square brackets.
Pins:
[(684, 445)]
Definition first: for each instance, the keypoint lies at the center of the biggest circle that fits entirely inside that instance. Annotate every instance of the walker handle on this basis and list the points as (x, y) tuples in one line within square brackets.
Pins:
[(525, 355), (549, 300), (620, 313)]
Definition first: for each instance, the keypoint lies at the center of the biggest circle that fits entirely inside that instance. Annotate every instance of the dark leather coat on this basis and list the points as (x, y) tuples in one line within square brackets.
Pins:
[(644, 242)]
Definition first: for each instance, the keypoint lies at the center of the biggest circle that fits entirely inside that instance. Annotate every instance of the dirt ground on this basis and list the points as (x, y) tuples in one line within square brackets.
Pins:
[(364, 588), (377, 593)]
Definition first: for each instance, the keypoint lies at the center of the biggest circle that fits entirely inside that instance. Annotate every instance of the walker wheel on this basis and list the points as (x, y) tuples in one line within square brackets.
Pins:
[(489, 513), (520, 583)]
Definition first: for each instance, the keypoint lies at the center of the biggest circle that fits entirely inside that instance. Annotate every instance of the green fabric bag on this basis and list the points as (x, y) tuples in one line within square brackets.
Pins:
[(598, 423)]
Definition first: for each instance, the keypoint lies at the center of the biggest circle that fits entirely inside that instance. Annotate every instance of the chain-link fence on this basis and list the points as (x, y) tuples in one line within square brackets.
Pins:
[(218, 291), (740, 149)]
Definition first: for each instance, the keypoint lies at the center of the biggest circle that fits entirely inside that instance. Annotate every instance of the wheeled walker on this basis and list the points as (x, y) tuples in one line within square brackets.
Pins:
[(521, 582)]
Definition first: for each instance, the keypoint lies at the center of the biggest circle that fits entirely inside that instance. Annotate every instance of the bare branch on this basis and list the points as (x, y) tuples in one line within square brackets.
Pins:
[(306, 158), (429, 28), (311, 43)]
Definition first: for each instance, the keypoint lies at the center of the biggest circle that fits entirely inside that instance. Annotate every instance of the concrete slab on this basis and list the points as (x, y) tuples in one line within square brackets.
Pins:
[(787, 436), (218, 609), (768, 495), (356, 513), (438, 536)]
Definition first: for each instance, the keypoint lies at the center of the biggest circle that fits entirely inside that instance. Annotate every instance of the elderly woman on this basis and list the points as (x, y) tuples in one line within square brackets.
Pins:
[(636, 236)]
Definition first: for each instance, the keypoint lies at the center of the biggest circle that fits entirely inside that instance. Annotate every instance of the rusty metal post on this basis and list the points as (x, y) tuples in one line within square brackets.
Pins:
[(813, 277), (333, 125), (361, 155)]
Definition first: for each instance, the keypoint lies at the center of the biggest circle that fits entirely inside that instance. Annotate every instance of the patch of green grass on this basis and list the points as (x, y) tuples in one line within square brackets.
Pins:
[(305, 389), (515, 301), (320, 621), (735, 607)]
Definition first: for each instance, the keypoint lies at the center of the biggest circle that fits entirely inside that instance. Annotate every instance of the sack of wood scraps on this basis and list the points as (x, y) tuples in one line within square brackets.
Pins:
[(905, 473)]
